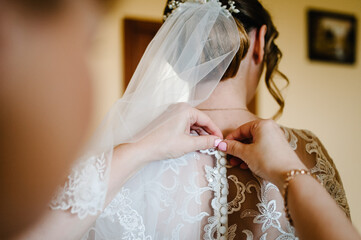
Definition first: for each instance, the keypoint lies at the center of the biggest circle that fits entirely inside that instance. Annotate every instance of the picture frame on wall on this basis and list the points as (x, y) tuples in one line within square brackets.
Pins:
[(331, 36)]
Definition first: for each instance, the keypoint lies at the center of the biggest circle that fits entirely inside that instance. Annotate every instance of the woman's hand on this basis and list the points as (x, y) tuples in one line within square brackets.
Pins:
[(267, 152), (172, 139)]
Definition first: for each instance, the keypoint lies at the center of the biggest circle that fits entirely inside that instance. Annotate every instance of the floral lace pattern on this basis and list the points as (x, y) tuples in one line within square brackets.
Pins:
[(159, 203), (163, 199), (268, 214), (217, 181), (324, 168), (84, 192), (255, 206), (120, 210)]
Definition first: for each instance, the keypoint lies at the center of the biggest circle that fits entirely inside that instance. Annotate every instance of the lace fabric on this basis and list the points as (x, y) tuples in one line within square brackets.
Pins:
[(185, 215), (184, 198), (143, 213), (254, 209), (183, 64), (84, 192)]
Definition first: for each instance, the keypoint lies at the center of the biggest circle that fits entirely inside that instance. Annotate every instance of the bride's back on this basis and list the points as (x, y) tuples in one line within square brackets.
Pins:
[(256, 207)]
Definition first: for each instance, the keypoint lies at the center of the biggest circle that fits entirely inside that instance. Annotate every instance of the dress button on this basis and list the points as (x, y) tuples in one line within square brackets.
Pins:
[(223, 210), (223, 220), (222, 230), (223, 180), (223, 161)]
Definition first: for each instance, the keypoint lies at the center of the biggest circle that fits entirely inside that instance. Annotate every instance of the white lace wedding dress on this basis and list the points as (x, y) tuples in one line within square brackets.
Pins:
[(195, 196), (217, 203)]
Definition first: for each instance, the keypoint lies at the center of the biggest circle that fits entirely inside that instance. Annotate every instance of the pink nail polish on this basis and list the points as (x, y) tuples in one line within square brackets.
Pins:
[(222, 146), (216, 142)]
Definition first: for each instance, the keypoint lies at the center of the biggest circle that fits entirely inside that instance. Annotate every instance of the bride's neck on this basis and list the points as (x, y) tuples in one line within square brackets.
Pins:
[(227, 107)]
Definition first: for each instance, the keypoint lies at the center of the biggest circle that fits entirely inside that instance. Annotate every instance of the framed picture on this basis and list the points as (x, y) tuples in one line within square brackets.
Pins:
[(331, 36)]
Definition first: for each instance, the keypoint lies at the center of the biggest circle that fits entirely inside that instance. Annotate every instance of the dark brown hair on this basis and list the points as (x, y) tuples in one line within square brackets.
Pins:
[(252, 16)]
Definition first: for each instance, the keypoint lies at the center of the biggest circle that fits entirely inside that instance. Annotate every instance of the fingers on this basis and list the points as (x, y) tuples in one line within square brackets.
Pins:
[(243, 132), (234, 162), (203, 142), (233, 148), (199, 130), (200, 119)]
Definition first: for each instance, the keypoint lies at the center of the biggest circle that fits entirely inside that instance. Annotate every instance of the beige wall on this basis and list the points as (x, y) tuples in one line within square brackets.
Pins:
[(324, 98), (107, 58)]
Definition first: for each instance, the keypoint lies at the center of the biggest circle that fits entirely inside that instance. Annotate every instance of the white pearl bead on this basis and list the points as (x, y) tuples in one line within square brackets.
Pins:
[(223, 200), (223, 210), (223, 170), (223, 180), (223, 220), (222, 230), (224, 191), (222, 154), (223, 161)]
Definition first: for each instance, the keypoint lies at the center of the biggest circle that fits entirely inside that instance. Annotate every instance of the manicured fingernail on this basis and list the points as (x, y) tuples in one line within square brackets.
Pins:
[(216, 142), (222, 146)]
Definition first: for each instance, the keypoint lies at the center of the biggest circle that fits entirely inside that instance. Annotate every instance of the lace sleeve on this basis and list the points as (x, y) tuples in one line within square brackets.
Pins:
[(310, 149), (85, 191)]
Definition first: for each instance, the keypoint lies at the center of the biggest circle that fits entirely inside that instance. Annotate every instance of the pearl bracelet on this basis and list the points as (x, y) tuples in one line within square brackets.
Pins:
[(291, 175)]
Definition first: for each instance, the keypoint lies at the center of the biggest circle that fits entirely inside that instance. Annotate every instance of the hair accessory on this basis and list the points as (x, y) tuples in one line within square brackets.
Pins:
[(174, 4), (291, 175), (232, 8)]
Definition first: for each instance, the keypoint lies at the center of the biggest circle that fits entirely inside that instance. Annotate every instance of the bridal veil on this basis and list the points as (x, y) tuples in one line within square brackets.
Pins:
[(184, 63)]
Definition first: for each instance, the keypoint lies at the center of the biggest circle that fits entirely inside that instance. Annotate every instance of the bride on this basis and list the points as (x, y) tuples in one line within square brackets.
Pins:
[(209, 54), (255, 207)]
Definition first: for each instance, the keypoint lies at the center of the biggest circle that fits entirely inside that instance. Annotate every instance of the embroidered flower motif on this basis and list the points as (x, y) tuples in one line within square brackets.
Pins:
[(248, 233), (269, 216), (232, 232), (120, 210), (176, 165), (84, 193), (263, 237)]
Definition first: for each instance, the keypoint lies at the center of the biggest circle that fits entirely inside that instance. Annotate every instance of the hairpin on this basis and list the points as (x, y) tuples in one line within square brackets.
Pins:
[(174, 4)]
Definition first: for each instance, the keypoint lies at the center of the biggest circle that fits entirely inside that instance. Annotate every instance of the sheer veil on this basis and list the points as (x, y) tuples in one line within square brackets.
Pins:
[(184, 63)]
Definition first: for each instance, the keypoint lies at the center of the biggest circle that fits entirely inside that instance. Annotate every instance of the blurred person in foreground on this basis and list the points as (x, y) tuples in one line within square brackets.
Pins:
[(210, 54), (91, 187), (46, 104)]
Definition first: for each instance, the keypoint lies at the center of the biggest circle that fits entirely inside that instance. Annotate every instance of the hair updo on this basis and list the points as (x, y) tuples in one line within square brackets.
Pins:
[(252, 16)]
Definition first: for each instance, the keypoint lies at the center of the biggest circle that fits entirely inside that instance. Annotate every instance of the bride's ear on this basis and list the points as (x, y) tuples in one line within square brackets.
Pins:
[(258, 53)]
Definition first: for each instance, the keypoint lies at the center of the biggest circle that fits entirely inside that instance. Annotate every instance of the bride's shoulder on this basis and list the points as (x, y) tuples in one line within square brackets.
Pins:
[(315, 156), (307, 145), (295, 136)]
